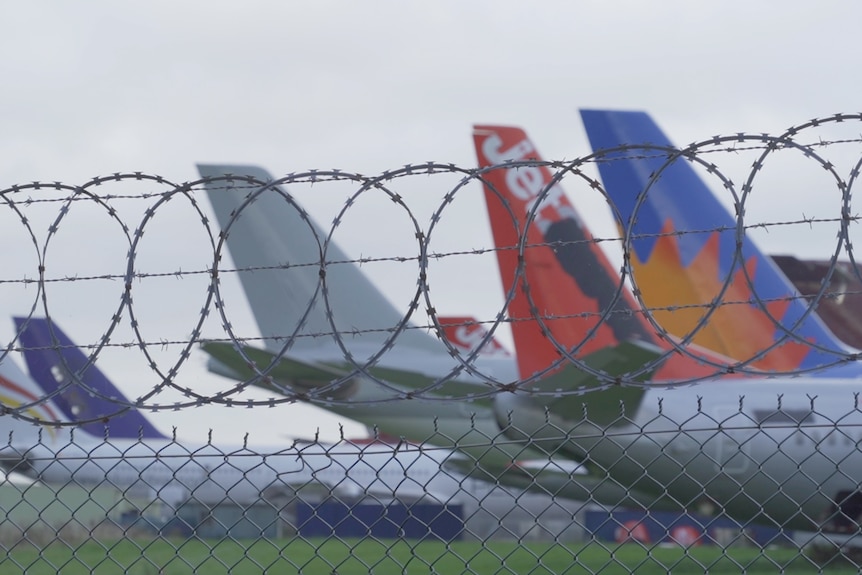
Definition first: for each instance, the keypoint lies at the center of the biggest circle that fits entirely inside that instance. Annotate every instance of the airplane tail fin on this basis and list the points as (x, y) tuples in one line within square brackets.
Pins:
[(570, 281), (52, 358), (683, 249), (278, 248), (466, 333)]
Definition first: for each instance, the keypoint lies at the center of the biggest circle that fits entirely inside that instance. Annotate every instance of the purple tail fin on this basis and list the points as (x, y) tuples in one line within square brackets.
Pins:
[(46, 352)]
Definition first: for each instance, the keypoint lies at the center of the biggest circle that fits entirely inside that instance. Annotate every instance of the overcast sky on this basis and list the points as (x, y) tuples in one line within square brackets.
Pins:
[(92, 88)]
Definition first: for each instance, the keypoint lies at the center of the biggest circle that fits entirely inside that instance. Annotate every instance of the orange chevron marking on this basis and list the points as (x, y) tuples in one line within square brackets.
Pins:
[(738, 328)]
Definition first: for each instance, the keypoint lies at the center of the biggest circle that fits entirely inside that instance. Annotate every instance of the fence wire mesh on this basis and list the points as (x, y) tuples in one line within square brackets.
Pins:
[(673, 403)]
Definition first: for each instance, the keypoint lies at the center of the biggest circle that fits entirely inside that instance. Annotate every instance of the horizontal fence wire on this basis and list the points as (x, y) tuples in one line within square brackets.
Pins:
[(627, 433)]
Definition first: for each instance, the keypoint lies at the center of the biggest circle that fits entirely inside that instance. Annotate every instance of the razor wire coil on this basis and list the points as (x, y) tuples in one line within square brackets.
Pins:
[(20, 199)]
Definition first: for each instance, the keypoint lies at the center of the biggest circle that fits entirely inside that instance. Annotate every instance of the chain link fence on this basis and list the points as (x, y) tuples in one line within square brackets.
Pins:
[(141, 507), (690, 415)]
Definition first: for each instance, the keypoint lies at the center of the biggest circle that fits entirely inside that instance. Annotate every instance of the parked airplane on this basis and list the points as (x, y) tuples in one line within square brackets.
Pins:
[(132, 455), (349, 470), (682, 231), (264, 230), (781, 450)]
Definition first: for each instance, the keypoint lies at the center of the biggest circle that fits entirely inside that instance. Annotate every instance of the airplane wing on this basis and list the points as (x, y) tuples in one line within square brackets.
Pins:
[(616, 360), (552, 480), (569, 397), (303, 376)]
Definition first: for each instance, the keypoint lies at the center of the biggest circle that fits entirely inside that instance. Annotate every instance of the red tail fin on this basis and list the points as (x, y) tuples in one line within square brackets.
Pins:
[(569, 300), (466, 333)]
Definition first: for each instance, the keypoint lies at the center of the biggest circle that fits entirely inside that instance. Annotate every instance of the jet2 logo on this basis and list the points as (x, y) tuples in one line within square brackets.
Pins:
[(526, 183)]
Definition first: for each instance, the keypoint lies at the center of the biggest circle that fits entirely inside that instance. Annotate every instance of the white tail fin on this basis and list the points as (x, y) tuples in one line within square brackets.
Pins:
[(277, 247)]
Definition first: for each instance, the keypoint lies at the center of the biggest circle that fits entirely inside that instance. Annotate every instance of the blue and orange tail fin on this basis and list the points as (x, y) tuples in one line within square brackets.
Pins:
[(683, 249), (52, 358)]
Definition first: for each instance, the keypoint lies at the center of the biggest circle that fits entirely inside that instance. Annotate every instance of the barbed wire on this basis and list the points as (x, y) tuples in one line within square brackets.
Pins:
[(462, 375)]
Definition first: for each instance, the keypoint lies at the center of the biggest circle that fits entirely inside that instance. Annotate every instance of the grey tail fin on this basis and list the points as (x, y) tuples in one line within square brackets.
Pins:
[(277, 249)]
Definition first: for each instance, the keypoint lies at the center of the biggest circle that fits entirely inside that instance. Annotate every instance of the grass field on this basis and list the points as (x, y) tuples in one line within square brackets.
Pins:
[(326, 557)]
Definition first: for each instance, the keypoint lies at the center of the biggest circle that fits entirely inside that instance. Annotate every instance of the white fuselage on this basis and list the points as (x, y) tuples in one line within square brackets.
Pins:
[(209, 474), (772, 450), (167, 470), (435, 414)]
